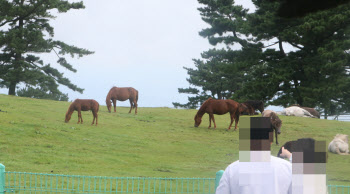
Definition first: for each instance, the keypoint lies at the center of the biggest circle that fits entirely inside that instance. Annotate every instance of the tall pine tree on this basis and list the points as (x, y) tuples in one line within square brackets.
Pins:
[(25, 33), (284, 61)]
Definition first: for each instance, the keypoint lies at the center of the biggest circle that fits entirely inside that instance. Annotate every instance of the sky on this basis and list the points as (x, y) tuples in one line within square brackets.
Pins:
[(137, 43)]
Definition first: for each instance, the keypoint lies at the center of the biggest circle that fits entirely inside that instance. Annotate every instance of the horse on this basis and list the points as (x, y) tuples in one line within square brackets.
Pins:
[(339, 145), (275, 121), (253, 105), (83, 105), (296, 111), (122, 94), (219, 107), (310, 110)]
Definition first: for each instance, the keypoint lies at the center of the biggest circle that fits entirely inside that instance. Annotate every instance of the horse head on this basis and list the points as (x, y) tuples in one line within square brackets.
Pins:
[(68, 116), (277, 123), (242, 108), (109, 104), (197, 120)]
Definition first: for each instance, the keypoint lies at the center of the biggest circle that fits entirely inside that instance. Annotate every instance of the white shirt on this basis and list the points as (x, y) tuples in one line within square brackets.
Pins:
[(274, 177)]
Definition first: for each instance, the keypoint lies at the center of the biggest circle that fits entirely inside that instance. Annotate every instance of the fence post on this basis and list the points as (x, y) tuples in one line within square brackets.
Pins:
[(218, 177), (2, 179)]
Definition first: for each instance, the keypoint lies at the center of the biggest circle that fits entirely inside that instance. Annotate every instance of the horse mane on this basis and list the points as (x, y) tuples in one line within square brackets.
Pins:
[(108, 98), (205, 103)]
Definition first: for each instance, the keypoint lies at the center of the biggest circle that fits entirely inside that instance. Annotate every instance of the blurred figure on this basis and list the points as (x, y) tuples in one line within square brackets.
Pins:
[(256, 171)]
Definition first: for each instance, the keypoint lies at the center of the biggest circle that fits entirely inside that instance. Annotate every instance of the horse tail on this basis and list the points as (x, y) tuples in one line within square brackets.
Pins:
[(137, 95)]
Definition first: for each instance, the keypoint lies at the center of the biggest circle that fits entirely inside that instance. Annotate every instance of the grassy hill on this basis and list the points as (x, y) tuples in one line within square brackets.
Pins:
[(158, 142)]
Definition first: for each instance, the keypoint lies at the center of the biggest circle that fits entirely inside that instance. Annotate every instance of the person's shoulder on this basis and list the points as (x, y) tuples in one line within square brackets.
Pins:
[(281, 162), (233, 165)]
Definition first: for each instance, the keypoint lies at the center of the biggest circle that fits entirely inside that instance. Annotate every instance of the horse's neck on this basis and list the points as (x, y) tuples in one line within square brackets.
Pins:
[(71, 109), (201, 111)]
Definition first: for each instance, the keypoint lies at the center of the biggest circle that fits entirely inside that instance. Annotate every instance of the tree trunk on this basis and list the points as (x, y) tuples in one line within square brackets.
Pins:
[(219, 95), (17, 62), (12, 88), (325, 113)]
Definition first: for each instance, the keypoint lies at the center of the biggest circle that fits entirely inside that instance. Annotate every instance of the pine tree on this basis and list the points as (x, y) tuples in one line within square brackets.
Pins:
[(314, 73), (25, 33)]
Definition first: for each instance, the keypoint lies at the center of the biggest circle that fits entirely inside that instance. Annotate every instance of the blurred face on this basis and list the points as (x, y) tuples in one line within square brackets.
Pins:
[(197, 121)]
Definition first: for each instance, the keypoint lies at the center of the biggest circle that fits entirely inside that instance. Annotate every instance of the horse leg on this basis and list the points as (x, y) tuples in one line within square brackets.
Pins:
[(94, 113), (236, 116), (276, 137), (79, 117), (93, 120), (131, 105), (209, 121), (212, 117), (115, 105), (231, 115), (135, 106)]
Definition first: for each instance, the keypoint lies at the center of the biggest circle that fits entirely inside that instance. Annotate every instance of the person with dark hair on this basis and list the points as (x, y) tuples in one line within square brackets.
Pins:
[(256, 171), (309, 165)]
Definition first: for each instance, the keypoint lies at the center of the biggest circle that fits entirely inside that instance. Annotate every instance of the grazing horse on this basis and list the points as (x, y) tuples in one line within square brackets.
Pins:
[(82, 105), (219, 107), (275, 121), (310, 110), (253, 105), (122, 94)]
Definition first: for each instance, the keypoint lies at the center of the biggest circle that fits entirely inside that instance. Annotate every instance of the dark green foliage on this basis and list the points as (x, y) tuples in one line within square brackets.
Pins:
[(280, 61), (25, 33), (41, 93)]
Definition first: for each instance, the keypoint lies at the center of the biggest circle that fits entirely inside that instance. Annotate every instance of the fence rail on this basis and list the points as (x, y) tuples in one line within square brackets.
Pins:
[(24, 182)]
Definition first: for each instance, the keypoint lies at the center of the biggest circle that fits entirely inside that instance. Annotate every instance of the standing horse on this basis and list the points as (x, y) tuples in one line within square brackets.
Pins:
[(122, 94), (275, 121), (82, 105), (253, 105), (219, 107)]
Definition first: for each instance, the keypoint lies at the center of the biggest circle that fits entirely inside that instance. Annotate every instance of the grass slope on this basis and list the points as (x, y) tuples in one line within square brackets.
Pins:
[(158, 142)]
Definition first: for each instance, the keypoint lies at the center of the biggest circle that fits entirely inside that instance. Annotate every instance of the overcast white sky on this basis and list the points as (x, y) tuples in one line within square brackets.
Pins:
[(137, 43)]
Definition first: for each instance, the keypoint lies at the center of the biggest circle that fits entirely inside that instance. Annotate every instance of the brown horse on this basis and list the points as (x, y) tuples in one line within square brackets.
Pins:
[(122, 94), (83, 105), (252, 105), (219, 107), (275, 121)]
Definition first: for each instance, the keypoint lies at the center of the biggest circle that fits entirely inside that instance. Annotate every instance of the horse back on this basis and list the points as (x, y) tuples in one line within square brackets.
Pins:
[(123, 94), (86, 104), (222, 106)]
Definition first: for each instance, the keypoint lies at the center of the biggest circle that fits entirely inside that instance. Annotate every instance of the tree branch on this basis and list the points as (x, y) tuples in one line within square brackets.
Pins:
[(24, 16), (295, 45), (271, 44)]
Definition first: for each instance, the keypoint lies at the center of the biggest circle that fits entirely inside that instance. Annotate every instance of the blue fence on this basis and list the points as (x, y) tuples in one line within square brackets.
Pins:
[(24, 182)]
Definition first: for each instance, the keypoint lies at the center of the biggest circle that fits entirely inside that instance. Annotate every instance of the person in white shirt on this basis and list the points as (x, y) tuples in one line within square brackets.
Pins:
[(309, 166), (256, 171)]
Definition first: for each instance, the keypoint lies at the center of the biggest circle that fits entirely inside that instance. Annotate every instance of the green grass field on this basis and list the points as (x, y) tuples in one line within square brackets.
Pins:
[(158, 142)]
